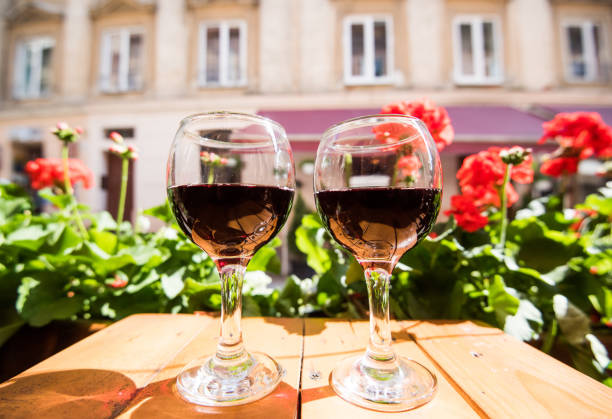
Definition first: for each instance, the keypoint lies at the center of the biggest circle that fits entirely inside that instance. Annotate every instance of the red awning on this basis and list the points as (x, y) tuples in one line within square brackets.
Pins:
[(604, 111), (488, 124)]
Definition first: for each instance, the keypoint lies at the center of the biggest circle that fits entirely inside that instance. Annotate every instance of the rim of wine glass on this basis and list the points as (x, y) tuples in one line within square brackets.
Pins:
[(360, 121), (262, 120)]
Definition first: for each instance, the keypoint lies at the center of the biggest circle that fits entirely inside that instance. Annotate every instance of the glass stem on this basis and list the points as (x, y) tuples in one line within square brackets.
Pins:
[(379, 347), (230, 344)]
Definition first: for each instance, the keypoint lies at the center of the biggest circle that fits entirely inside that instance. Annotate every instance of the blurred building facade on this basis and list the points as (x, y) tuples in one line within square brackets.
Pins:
[(139, 66)]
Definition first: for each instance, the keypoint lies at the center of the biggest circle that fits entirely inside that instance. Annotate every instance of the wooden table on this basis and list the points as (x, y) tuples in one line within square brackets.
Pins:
[(129, 369)]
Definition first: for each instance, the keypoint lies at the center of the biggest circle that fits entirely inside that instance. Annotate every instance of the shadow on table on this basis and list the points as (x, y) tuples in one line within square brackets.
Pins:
[(82, 393), (161, 400)]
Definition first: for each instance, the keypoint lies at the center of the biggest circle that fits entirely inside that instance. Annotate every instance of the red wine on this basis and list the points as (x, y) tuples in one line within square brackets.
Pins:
[(379, 224), (230, 221)]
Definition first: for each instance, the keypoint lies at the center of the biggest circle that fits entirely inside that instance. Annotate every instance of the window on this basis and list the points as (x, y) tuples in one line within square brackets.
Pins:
[(121, 64), (583, 51), (222, 54), (477, 50), (33, 71), (368, 49)]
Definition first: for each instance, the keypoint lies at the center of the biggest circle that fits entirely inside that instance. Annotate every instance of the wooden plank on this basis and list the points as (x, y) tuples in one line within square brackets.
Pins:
[(508, 378), (327, 341), (431, 329), (99, 375), (280, 338)]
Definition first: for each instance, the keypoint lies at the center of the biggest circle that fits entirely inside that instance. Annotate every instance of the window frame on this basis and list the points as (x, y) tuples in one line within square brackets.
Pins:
[(34, 91), (224, 27), (369, 77), (476, 22), (586, 25), (105, 69)]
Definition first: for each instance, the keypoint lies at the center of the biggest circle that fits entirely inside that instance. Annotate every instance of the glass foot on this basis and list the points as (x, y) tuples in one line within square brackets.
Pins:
[(390, 386), (210, 381)]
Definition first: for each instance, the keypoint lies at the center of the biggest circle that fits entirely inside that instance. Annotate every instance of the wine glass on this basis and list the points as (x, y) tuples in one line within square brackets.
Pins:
[(377, 185), (231, 182)]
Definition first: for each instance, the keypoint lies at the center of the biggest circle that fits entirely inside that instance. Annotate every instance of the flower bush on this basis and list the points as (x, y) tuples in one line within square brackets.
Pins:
[(46, 173), (544, 276)]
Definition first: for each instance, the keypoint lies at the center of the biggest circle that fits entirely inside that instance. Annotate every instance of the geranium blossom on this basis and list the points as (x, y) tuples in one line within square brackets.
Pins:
[(468, 216), (391, 133), (582, 133), (435, 118), (483, 173), (408, 165), (560, 166), (481, 178), (50, 172)]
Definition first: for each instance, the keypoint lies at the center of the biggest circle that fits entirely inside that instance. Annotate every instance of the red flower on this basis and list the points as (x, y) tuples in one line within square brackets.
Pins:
[(433, 235), (467, 214), (118, 282), (593, 270), (482, 174), (408, 165), (392, 132), (582, 134), (435, 118), (50, 172), (560, 166)]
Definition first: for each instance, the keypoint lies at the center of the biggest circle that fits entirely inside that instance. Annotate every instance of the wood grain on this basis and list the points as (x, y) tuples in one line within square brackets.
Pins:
[(98, 376), (328, 341), (129, 369), (280, 338), (508, 378)]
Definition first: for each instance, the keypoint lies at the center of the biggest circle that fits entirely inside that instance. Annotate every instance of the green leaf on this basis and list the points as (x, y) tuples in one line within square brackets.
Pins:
[(152, 277), (69, 241), (601, 204), (309, 239), (173, 284), (265, 259), (31, 237), (250, 307), (61, 201), (103, 221), (54, 231), (502, 302), (600, 354), (520, 324), (574, 324), (354, 272), (112, 264), (40, 303), (162, 212), (142, 254), (105, 240)]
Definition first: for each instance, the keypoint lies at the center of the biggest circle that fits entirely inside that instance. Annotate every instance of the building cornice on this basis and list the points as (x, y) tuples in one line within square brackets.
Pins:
[(110, 7), (33, 11), (191, 4)]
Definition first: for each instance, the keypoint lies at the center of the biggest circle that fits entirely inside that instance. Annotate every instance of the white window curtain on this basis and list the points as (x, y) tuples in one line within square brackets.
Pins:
[(368, 49), (584, 51), (477, 50), (33, 72), (121, 60), (222, 58)]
